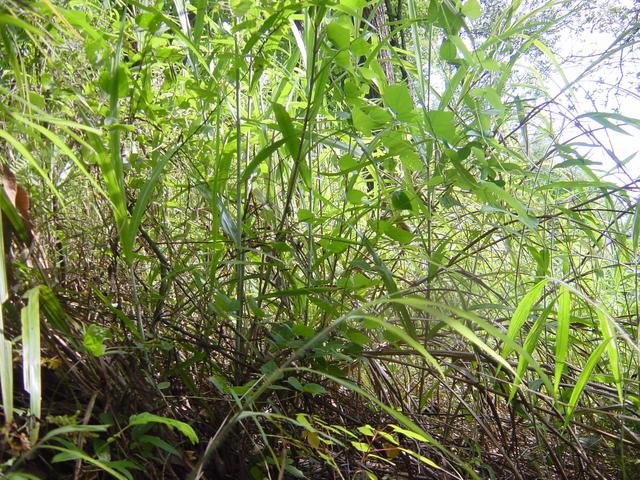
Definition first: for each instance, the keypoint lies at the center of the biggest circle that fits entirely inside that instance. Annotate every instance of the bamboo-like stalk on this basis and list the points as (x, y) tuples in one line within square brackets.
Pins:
[(240, 254)]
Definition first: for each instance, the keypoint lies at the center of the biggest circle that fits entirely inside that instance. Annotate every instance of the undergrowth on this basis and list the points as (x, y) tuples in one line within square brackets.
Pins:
[(315, 239)]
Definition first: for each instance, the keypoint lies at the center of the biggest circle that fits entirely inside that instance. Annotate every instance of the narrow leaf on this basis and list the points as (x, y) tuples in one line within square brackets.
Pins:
[(31, 354), (288, 131), (6, 378), (562, 335), (593, 360), (521, 314), (608, 334), (182, 427), (635, 235)]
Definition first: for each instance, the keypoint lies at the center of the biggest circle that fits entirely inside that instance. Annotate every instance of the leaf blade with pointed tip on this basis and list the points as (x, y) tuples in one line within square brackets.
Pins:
[(635, 235), (521, 314), (608, 333), (594, 358), (562, 336), (184, 428), (289, 132)]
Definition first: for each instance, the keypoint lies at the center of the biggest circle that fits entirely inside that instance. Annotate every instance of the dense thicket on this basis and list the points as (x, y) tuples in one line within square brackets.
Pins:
[(321, 239)]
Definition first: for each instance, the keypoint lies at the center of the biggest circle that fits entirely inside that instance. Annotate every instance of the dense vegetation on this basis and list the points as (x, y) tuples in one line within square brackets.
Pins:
[(323, 239)]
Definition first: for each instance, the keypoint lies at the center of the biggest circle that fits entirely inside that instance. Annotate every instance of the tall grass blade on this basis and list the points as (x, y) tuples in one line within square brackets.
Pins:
[(6, 378), (583, 379), (609, 335), (4, 287), (635, 234), (6, 355), (521, 314), (562, 336), (31, 362), (529, 346)]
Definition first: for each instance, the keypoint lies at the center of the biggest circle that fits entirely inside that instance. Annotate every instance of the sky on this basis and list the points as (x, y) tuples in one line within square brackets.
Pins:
[(575, 51)]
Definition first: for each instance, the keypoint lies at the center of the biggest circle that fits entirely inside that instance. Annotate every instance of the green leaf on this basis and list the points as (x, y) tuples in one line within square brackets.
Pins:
[(521, 314), (606, 120), (347, 163), (446, 16), (17, 22), (471, 9), (495, 194), (4, 286), (435, 310), (362, 121), (228, 224), (400, 200), (78, 19), (240, 7), (259, 158), (158, 442), (182, 427), (357, 337), (20, 476), (361, 446), (379, 116), (356, 197), (117, 81), (305, 215), (22, 150), (314, 389), (409, 434), (593, 360), (395, 233), (67, 454), (442, 125), (562, 335), (577, 184), (10, 212), (31, 360), (398, 99), (339, 34), (295, 383), (353, 4), (360, 47), (289, 133), (404, 336), (94, 339), (529, 346), (303, 330), (447, 50), (490, 95), (608, 334), (635, 234), (6, 376)]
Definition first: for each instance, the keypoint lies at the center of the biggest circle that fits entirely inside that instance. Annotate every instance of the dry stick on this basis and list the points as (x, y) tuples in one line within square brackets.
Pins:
[(575, 447), (554, 457), (85, 421), (232, 419), (283, 460), (512, 466)]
